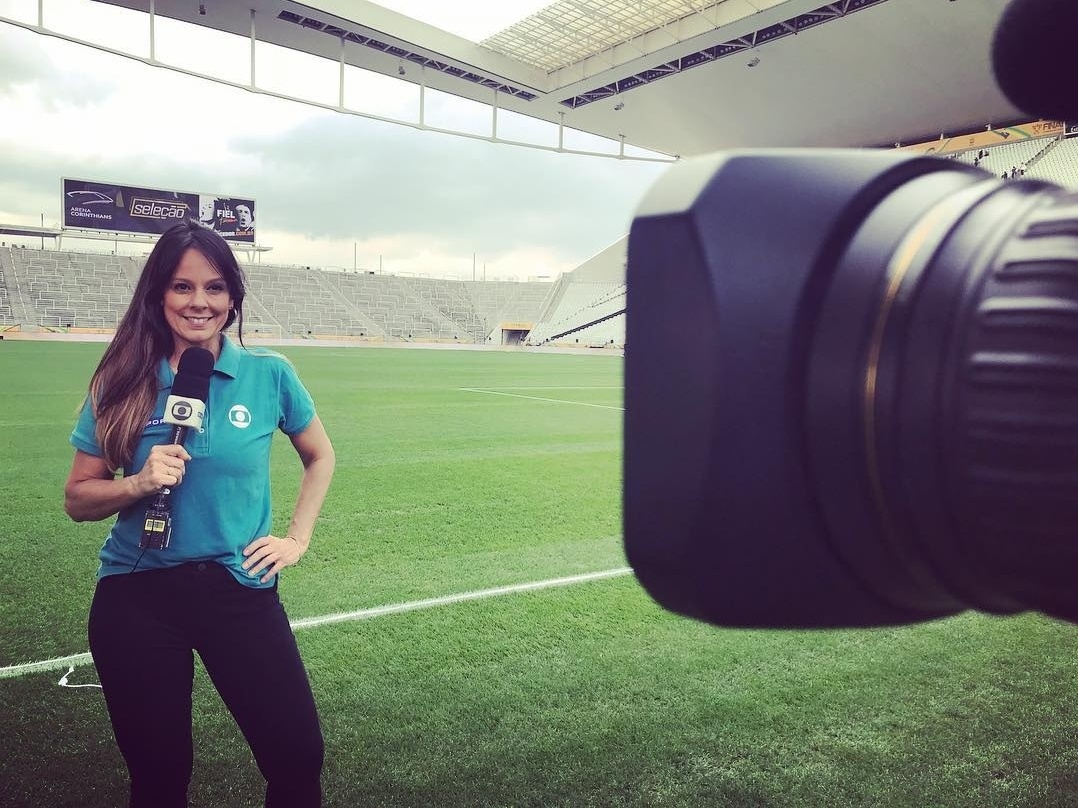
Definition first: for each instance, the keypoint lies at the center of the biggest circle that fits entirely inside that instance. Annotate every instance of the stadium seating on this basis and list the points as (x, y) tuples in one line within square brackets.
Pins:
[(449, 299), (583, 308), (395, 309), (70, 290), (506, 302), (50, 289), (1052, 159), (8, 317), (577, 306), (1059, 164), (1002, 159), (609, 333), (60, 290), (303, 304)]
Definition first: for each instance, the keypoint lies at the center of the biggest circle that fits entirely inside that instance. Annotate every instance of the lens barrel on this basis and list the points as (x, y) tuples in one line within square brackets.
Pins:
[(848, 379), (1011, 418)]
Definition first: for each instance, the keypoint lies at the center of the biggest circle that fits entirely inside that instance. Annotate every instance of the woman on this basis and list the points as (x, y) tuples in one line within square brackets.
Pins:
[(214, 588)]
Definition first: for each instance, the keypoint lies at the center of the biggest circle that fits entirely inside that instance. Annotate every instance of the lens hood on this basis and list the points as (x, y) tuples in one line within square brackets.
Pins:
[(749, 497)]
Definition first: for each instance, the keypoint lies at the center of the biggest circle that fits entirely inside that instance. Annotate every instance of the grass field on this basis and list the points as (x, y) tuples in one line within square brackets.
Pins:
[(464, 471)]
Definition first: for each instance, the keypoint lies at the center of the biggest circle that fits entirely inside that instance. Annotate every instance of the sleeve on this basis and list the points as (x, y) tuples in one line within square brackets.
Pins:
[(84, 435), (297, 406)]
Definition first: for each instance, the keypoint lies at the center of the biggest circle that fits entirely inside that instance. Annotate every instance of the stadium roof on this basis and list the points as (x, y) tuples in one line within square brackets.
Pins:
[(676, 76), (569, 31)]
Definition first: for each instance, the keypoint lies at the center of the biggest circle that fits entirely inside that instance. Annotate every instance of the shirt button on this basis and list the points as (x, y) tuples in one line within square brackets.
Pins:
[(202, 566)]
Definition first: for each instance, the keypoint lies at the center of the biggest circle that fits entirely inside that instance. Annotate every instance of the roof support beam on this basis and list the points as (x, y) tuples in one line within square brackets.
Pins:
[(254, 41), (250, 84)]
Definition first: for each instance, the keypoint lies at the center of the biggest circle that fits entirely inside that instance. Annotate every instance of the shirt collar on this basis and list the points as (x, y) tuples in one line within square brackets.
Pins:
[(228, 363)]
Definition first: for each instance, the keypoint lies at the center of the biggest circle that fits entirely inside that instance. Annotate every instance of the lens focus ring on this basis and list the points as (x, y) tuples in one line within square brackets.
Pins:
[(1018, 403)]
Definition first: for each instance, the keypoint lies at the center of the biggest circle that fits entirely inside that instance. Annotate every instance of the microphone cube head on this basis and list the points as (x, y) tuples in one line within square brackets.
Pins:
[(183, 411)]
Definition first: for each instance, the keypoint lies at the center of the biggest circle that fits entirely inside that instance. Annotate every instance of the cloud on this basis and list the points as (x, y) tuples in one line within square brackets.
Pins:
[(345, 177), (22, 63), (30, 186), (58, 74), (326, 183)]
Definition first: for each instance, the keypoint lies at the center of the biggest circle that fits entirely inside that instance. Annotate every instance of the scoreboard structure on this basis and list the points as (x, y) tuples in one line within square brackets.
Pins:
[(115, 208)]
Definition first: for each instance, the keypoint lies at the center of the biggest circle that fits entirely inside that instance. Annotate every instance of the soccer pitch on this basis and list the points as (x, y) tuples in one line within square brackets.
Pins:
[(462, 477)]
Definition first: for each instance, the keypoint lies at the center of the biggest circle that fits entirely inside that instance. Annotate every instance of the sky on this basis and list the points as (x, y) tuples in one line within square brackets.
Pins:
[(332, 190)]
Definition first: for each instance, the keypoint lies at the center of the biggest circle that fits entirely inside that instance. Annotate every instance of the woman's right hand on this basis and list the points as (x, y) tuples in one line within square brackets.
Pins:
[(93, 491), (164, 468)]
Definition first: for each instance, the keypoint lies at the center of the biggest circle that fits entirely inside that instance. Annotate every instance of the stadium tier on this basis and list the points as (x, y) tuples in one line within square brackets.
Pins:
[(60, 290), (7, 317), (1002, 160), (1058, 164), (65, 291), (583, 313), (508, 303), (586, 307), (302, 304)]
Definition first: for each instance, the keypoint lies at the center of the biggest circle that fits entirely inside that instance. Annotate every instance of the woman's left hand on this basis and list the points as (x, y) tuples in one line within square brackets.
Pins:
[(271, 554)]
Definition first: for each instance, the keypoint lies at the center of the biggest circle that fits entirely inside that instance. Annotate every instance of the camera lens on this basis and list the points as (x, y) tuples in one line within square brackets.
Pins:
[(851, 390)]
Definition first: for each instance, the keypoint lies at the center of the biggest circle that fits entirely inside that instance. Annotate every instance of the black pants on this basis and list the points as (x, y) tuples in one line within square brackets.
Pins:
[(143, 629)]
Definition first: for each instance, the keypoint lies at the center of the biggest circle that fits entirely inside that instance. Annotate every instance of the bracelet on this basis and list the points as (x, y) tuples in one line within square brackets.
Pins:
[(293, 538)]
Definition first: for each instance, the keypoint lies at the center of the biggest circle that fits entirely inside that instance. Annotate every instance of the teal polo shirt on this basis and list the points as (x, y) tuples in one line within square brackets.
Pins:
[(223, 502)]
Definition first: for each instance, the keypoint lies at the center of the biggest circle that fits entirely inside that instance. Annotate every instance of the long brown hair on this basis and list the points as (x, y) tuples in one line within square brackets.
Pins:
[(123, 389)]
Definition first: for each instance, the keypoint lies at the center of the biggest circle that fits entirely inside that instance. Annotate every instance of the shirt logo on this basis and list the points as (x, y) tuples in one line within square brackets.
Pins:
[(240, 416)]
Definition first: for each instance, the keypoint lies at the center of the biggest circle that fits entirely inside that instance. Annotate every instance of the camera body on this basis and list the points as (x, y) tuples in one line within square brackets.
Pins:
[(834, 413)]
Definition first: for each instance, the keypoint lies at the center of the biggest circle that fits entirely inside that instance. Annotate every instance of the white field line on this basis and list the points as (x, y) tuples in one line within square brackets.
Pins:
[(555, 387), (540, 398), (447, 600), (23, 424), (45, 665), (25, 668)]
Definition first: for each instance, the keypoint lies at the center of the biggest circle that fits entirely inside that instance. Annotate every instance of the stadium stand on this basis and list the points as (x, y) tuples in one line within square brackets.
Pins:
[(52, 290), (303, 304), (506, 304), (7, 317), (71, 290), (1008, 157), (583, 305), (449, 299), (394, 308), (609, 333), (7, 274), (590, 298), (1058, 164), (586, 306), (257, 319), (55, 290)]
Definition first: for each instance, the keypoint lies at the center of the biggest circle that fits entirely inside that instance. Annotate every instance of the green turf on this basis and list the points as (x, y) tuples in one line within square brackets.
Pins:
[(584, 695)]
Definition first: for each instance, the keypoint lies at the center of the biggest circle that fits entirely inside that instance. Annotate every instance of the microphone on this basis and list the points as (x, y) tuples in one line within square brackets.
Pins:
[(184, 410), (1035, 59)]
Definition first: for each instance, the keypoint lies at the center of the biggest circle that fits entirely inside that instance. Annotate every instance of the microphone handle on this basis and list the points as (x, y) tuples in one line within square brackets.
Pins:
[(157, 527), (177, 436)]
